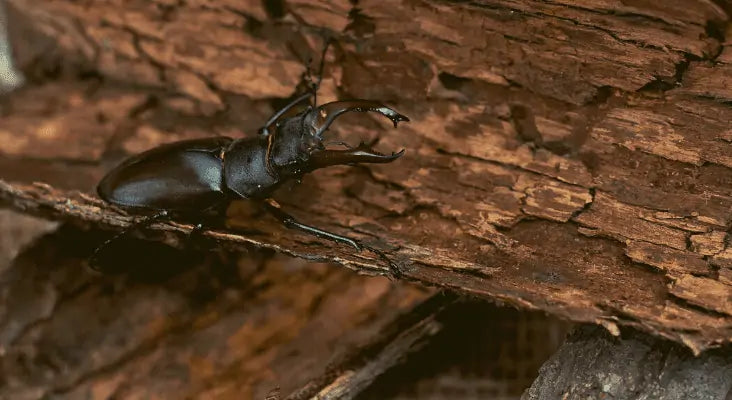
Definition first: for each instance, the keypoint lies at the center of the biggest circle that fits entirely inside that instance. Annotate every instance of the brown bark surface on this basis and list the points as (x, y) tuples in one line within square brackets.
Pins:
[(572, 157), (591, 364), (231, 327)]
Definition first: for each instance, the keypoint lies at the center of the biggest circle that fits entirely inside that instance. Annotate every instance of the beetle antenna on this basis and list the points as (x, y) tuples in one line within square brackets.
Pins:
[(315, 84)]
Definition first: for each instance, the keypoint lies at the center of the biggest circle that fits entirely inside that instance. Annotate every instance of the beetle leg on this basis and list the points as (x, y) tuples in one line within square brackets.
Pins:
[(290, 222), (322, 117), (312, 92), (195, 234), (264, 130), (197, 230), (142, 223)]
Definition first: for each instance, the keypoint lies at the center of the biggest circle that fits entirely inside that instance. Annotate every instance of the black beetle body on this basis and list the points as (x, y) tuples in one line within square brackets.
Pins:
[(191, 177), (184, 176)]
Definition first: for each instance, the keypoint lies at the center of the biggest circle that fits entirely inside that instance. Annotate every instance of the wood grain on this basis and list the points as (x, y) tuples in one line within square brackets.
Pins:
[(571, 157)]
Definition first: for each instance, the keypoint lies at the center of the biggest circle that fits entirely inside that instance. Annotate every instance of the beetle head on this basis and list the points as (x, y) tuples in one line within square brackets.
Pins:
[(298, 143)]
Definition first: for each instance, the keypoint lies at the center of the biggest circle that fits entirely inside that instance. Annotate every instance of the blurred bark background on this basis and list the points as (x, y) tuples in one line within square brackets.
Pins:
[(571, 158)]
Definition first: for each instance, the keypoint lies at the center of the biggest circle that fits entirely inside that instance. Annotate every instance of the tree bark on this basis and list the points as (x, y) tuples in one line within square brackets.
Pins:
[(571, 157), (591, 364), (183, 325)]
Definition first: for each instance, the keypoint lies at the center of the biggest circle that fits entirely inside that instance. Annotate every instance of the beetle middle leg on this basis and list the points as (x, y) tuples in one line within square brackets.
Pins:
[(290, 222)]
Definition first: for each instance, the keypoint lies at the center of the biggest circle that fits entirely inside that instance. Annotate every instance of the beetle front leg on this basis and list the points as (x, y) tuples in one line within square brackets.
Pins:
[(312, 92), (264, 130), (290, 222)]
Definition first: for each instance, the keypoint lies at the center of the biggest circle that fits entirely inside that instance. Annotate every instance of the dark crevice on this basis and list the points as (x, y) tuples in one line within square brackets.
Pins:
[(700, 309), (168, 11), (359, 23), (275, 9), (661, 84), (724, 5), (452, 82), (254, 27), (715, 29), (689, 243), (587, 205), (602, 95)]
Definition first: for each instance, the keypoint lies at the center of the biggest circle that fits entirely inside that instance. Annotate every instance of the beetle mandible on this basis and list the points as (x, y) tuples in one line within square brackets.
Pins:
[(193, 178)]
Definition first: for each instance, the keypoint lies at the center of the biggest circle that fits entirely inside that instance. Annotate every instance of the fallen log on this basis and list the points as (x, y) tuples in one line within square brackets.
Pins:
[(571, 158)]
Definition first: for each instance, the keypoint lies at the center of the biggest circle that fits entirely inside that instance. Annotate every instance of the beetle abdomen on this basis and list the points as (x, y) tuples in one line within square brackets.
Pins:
[(181, 176)]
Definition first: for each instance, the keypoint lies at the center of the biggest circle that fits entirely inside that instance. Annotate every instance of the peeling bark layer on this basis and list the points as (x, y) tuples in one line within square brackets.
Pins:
[(572, 157)]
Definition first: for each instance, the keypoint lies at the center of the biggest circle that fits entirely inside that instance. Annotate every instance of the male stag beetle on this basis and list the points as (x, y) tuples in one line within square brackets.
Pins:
[(193, 178)]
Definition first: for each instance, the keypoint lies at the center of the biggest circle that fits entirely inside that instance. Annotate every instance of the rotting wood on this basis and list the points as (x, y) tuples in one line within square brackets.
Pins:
[(350, 383), (348, 377), (229, 328), (569, 157), (592, 364)]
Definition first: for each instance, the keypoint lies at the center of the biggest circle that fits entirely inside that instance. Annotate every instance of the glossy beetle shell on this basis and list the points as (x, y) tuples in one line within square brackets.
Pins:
[(184, 176)]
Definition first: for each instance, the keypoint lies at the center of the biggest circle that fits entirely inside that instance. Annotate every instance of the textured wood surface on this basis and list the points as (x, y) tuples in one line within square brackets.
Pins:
[(572, 157), (593, 365), (182, 326)]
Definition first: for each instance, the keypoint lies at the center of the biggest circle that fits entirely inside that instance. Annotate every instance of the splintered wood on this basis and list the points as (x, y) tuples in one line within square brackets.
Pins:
[(571, 157)]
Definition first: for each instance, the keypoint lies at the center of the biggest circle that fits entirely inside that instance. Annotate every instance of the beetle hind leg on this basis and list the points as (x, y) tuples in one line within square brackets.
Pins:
[(142, 223)]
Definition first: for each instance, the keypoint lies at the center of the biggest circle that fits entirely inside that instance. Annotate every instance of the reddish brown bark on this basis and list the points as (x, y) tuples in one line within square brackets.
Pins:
[(572, 157)]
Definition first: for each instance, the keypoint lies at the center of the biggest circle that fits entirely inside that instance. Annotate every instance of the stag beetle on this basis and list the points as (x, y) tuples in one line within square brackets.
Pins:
[(193, 178)]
